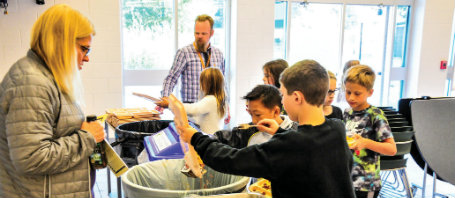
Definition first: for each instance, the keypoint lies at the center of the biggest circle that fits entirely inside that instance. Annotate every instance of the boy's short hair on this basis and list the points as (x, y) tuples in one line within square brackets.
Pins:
[(360, 74), (331, 75), (308, 77), (269, 95)]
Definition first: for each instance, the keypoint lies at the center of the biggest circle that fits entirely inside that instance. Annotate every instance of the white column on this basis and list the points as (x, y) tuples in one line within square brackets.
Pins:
[(251, 46)]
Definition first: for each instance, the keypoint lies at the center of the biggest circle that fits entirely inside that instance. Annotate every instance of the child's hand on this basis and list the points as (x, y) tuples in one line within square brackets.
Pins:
[(228, 117), (186, 133), (159, 109), (359, 142), (268, 125), (164, 103)]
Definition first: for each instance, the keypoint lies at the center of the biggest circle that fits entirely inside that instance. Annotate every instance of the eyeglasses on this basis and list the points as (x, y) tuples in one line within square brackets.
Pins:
[(85, 49), (332, 91)]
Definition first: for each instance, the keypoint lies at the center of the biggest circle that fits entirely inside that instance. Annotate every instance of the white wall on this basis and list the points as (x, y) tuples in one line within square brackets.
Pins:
[(101, 76), (252, 46), (430, 43)]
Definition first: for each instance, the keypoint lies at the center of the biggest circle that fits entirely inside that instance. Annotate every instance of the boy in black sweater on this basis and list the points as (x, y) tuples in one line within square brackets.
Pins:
[(313, 161)]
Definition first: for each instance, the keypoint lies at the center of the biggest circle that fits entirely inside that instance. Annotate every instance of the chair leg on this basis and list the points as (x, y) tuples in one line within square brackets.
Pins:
[(399, 187), (404, 179), (424, 179), (414, 189), (434, 185)]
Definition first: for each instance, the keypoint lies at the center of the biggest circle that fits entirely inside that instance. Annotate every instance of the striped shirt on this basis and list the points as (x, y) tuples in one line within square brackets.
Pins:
[(188, 65)]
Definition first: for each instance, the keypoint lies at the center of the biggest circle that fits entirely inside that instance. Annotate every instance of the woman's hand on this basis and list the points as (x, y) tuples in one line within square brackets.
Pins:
[(268, 125), (186, 133), (94, 128)]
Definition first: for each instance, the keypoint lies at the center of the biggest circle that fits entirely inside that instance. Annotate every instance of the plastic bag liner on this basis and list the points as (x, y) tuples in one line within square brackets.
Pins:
[(234, 195), (138, 130), (130, 138), (163, 178)]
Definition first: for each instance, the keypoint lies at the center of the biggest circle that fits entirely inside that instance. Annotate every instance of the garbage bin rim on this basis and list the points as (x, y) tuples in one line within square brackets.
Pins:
[(142, 121), (138, 132), (125, 180)]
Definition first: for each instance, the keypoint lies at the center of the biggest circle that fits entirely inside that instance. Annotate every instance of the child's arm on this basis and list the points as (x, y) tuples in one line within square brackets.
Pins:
[(387, 147), (268, 125), (186, 133), (249, 161)]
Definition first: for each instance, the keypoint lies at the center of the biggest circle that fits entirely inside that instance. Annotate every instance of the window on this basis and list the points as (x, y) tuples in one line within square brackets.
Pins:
[(279, 47), (333, 33), (400, 37), (364, 40), (315, 39), (450, 87), (147, 34), (395, 93), (152, 31)]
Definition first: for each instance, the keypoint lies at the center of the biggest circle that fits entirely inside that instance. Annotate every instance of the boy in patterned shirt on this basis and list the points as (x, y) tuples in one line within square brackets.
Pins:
[(368, 128)]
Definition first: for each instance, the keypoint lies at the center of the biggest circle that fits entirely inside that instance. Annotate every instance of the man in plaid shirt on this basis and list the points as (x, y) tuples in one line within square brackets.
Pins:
[(192, 59)]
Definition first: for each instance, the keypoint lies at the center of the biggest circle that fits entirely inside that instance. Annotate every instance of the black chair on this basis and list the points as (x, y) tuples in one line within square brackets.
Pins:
[(432, 119), (398, 123), (393, 168)]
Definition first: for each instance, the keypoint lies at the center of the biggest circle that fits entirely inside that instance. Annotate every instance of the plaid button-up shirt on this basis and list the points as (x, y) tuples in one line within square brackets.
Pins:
[(188, 65)]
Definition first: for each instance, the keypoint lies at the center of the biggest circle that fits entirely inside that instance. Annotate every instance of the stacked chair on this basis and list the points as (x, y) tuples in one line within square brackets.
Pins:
[(433, 148), (393, 168)]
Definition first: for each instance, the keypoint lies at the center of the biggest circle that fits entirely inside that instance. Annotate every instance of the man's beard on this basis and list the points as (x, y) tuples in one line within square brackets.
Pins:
[(200, 46)]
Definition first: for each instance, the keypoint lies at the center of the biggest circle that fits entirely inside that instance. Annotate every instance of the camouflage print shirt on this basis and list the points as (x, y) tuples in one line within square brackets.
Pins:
[(372, 124)]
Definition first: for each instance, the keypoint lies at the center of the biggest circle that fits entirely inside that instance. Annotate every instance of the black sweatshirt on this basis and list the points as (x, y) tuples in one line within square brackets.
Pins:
[(313, 161), (336, 113)]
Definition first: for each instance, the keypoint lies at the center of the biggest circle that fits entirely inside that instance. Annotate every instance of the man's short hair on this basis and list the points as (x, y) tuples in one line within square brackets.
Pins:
[(308, 77), (204, 17), (360, 74), (269, 95)]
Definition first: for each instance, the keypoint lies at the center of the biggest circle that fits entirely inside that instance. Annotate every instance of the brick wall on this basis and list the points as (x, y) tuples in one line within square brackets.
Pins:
[(102, 75)]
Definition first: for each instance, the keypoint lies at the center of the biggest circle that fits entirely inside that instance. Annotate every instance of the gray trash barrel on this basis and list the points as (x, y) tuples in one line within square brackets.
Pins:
[(163, 178)]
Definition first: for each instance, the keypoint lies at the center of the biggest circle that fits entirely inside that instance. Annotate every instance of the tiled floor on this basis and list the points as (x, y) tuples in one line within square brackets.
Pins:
[(415, 175), (101, 185)]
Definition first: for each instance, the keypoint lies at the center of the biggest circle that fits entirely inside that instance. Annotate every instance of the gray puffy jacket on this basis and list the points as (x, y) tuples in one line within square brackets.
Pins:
[(39, 157)]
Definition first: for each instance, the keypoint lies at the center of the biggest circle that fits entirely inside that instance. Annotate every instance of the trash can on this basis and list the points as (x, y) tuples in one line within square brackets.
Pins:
[(130, 138), (163, 179)]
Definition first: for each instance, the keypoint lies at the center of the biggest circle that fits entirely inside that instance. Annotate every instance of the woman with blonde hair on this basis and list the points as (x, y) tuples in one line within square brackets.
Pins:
[(45, 143), (209, 111)]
